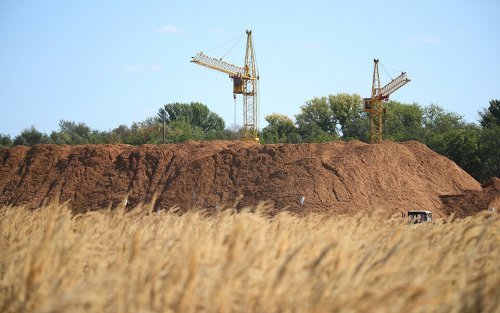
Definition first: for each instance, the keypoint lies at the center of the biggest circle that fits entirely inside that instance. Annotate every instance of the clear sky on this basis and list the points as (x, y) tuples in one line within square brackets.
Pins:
[(108, 63)]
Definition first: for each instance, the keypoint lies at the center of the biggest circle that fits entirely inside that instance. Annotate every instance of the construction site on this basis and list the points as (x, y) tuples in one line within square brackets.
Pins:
[(335, 178), (240, 226)]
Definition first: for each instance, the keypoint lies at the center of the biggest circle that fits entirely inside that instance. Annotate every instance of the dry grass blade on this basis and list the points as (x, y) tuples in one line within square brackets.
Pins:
[(144, 260)]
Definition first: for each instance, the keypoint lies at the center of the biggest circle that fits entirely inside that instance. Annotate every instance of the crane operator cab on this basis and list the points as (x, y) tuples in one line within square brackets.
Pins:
[(417, 216)]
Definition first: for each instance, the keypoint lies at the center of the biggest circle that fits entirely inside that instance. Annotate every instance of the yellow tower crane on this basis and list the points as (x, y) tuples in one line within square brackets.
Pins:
[(244, 82), (374, 104)]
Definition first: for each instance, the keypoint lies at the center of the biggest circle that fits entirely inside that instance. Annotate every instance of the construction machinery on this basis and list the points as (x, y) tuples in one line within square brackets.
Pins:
[(244, 82), (374, 104), (417, 216)]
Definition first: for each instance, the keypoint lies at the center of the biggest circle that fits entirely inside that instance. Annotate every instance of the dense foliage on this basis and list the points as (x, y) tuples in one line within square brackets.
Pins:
[(474, 147)]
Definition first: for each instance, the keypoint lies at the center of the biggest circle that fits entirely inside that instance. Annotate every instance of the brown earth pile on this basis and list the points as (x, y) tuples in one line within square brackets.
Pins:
[(470, 201), (334, 177)]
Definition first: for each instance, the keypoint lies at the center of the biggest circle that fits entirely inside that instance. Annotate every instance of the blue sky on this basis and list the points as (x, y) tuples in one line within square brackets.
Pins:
[(108, 63)]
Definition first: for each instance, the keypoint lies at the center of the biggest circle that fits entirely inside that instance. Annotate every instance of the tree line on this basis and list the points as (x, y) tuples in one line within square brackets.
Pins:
[(192, 121), (473, 147)]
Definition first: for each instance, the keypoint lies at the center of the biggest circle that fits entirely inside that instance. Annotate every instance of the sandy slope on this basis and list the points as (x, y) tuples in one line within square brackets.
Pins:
[(334, 177)]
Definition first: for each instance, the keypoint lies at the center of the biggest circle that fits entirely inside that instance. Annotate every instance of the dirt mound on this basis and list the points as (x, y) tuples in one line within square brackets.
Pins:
[(469, 202), (334, 177)]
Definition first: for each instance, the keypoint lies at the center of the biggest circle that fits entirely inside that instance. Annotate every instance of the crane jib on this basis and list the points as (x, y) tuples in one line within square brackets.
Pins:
[(394, 85), (219, 65)]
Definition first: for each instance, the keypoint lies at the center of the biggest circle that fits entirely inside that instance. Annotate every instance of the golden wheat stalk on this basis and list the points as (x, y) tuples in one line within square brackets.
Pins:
[(145, 261)]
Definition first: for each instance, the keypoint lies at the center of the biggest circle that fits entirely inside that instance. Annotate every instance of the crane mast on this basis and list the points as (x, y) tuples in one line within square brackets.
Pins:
[(244, 82), (250, 93), (374, 104)]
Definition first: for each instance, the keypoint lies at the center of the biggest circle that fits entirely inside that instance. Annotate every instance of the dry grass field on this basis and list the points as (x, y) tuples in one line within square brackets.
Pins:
[(140, 261)]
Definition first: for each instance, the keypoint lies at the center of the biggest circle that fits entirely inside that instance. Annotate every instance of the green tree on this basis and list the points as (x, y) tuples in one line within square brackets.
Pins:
[(280, 129), (462, 147), (79, 133), (491, 116), (318, 112), (181, 130), (5, 141), (60, 138), (195, 113), (335, 115), (311, 132), (31, 136), (121, 133), (147, 131), (140, 133), (358, 128), (437, 120), (97, 137), (489, 153), (403, 122), (214, 135), (234, 132), (437, 123), (346, 109)]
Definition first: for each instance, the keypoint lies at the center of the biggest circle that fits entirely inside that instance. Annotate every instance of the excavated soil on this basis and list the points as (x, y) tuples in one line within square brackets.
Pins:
[(471, 201), (335, 177)]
